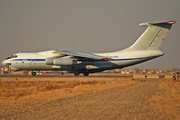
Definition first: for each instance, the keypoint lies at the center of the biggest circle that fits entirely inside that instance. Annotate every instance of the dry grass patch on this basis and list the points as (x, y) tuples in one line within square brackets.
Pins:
[(19, 90), (24, 88)]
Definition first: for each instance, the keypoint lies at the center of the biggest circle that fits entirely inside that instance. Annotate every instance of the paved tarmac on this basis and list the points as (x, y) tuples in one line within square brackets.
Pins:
[(125, 76), (65, 76)]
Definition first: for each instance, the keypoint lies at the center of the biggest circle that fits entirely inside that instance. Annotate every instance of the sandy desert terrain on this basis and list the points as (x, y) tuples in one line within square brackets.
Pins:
[(88, 98)]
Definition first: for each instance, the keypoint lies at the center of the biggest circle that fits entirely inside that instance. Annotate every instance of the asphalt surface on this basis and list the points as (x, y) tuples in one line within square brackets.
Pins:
[(25, 76), (65, 76)]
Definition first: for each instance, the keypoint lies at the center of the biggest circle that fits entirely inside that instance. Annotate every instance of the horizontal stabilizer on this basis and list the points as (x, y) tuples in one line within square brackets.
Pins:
[(154, 35), (159, 22)]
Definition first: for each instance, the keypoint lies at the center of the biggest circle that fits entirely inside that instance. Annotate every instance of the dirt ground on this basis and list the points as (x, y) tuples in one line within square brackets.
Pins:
[(167, 99), (15, 90), (89, 98)]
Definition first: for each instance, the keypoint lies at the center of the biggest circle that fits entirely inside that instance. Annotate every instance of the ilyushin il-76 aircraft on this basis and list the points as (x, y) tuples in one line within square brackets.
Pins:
[(145, 48)]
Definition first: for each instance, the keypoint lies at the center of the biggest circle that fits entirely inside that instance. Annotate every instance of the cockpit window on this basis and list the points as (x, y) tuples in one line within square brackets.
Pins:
[(12, 56)]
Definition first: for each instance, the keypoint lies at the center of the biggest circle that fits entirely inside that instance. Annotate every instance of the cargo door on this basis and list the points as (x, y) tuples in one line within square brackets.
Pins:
[(32, 63)]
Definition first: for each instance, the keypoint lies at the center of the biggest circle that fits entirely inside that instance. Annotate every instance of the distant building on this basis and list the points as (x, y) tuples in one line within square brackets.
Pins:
[(4, 70), (117, 70), (152, 71), (141, 72), (160, 71), (178, 72), (18, 73), (157, 72), (122, 72), (130, 71), (134, 72)]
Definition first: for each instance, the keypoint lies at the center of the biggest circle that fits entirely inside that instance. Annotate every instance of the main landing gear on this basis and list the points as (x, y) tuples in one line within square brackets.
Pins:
[(86, 74), (77, 74)]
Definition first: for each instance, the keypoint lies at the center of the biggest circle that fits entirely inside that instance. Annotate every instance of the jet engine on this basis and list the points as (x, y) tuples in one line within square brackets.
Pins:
[(59, 61), (14, 68)]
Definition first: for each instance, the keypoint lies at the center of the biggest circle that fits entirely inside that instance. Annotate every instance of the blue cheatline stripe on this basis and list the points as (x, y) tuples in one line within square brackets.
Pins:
[(82, 60), (27, 60), (124, 59), (88, 60)]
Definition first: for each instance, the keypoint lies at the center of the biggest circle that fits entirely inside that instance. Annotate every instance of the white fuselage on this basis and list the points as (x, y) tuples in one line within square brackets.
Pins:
[(120, 59)]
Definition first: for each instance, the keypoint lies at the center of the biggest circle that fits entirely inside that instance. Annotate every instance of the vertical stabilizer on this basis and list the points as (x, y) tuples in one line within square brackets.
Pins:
[(154, 35)]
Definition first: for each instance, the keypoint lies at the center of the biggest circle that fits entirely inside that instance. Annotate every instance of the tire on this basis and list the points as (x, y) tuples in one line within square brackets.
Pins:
[(86, 74), (33, 73), (76, 73)]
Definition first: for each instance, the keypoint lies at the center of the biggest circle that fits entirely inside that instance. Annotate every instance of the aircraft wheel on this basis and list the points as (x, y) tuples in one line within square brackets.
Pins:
[(86, 74), (76, 73), (33, 73)]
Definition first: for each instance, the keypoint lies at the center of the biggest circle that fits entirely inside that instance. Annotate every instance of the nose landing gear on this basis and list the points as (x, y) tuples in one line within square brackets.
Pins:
[(33, 73)]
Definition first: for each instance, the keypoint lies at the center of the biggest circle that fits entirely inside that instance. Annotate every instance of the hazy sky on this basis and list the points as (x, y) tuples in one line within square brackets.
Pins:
[(86, 25)]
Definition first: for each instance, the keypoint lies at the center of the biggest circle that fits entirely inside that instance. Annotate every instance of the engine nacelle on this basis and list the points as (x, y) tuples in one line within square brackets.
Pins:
[(49, 61), (64, 62), (59, 61), (14, 68)]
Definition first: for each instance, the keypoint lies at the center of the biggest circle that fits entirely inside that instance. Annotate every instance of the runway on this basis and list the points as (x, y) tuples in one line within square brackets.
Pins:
[(101, 75), (24, 76)]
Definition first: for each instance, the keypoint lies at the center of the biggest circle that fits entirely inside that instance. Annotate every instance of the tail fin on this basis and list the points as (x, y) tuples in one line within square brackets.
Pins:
[(154, 35)]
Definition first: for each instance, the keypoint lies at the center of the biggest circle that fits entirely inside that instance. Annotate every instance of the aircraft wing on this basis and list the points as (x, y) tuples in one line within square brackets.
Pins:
[(79, 54)]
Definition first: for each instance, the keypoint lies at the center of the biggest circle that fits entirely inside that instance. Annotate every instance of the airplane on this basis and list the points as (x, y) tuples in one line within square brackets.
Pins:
[(146, 47)]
